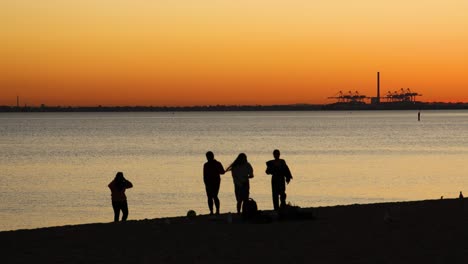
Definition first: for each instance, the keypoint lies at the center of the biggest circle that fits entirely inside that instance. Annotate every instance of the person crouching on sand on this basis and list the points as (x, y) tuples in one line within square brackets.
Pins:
[(241, 171), (119, 199)]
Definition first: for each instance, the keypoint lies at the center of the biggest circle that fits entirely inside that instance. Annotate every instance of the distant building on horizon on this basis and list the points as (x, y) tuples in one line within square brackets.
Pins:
[(405, 96)]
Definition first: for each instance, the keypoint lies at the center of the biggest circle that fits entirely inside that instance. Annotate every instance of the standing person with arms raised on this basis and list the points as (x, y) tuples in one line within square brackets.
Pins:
[(280, 174), (119, 199), (212, 171), (241, 171)]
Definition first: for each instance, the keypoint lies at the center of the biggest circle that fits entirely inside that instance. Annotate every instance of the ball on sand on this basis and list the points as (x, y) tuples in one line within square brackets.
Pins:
[(191, 213)]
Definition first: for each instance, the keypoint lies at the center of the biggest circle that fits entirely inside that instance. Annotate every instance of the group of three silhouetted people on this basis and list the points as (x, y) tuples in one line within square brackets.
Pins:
[(242, 171)]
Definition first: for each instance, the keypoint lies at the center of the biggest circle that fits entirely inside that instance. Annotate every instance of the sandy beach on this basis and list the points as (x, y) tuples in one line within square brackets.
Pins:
[(431, 231)]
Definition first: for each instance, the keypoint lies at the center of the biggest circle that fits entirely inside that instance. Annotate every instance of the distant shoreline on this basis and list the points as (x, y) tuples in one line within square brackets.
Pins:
[(292, 107)]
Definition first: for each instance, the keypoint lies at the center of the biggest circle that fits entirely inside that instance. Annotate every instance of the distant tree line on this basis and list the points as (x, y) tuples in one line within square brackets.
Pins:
[(293, 107)]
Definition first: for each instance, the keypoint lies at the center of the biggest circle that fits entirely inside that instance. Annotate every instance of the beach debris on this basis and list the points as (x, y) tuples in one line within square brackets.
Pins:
[(387, 216), (191, 214), (294, 212), (392, 216)]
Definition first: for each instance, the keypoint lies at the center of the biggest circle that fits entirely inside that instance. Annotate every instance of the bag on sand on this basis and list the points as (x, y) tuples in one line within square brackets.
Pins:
[(249, 208)]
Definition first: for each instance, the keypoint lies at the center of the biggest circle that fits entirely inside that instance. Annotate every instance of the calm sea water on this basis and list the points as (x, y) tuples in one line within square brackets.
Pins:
[(55, 167)]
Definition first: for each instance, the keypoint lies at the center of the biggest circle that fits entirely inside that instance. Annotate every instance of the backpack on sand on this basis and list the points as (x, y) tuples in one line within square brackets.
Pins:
[(249, 209)]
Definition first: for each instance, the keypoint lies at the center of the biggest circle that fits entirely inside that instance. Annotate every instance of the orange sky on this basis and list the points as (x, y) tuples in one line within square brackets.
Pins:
[(137, 52)]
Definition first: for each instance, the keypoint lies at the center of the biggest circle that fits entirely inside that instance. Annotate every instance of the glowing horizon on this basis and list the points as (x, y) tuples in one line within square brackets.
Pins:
[(88, 53)]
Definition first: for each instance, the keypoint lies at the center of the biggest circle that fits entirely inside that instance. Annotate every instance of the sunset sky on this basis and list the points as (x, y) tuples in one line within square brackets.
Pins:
[(199, 52)]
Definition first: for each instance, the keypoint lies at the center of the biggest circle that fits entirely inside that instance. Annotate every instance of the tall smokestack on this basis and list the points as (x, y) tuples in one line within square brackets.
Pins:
[(378, 87)]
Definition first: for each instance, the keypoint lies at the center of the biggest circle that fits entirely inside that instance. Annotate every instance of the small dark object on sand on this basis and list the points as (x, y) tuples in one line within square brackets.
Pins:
[(290, 212), (191, 214), (249, 209)]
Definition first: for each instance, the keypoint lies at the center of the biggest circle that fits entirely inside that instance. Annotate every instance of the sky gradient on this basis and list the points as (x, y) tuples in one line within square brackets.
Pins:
[(186, 52)]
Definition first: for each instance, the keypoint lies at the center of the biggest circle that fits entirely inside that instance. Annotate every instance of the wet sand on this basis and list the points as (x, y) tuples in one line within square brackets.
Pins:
[(432, 231)]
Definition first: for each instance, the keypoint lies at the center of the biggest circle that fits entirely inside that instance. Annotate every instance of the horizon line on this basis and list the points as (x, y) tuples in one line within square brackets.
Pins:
[(227, 105)]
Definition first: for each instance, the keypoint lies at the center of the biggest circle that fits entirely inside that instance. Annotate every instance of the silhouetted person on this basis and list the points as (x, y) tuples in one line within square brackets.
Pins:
[(461, 195), (280, 174), (119, 199), (419, 115), (212, 171), (241, 171)]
